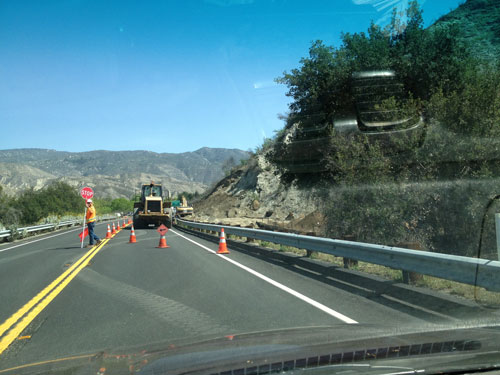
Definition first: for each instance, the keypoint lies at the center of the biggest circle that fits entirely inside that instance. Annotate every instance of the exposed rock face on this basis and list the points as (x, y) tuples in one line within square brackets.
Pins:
[(254, 195), (255, 205)]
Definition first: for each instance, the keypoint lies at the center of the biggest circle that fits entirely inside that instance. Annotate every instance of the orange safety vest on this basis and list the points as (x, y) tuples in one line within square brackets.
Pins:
[(91, 214)]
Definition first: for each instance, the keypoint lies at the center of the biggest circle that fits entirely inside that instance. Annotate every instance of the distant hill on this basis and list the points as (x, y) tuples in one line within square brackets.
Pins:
[(479, 21), (114, 173)]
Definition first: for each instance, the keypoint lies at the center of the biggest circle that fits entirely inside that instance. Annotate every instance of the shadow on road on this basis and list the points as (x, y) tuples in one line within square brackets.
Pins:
[(418, 302)]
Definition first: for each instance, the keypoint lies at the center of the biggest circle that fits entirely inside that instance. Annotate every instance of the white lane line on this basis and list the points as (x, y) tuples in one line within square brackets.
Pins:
[(294, 293), (41, 239)]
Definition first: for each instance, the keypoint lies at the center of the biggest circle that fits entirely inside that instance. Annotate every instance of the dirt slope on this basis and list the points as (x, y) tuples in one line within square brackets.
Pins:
[(254, 196)]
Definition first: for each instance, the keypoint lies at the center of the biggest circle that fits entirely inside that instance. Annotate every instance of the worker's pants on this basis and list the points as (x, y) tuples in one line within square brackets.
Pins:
[(92, 235)]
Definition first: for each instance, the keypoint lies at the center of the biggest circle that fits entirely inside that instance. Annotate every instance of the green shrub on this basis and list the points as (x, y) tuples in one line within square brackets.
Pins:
[(474, 109)]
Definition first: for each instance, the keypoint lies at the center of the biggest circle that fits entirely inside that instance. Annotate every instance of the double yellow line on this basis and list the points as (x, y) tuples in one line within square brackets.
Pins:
[(13, 326)]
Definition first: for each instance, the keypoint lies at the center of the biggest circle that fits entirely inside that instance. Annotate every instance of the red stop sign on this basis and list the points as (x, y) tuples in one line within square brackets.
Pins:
[(87, 193)]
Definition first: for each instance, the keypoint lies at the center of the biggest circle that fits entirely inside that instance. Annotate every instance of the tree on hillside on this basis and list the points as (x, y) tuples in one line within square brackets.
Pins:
[(8, 214), (424, 60), (57, 199), (121, 205)]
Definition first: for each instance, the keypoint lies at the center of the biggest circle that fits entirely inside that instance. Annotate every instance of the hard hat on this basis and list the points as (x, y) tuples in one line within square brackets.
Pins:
[(89, 200)]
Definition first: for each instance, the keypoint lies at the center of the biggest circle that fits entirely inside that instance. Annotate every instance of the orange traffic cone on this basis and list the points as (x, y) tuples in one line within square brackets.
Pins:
[(163, 242), (108, 233), (118, 226), (222, 243), (129, 220), (132, 236), (114, 229), (124, 225)]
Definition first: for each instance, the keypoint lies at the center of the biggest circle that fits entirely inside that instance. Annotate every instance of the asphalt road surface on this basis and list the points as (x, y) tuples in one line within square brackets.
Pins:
[(58, 300)]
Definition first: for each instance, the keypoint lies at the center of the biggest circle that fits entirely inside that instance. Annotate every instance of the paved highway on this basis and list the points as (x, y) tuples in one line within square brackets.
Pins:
[(59, 300)]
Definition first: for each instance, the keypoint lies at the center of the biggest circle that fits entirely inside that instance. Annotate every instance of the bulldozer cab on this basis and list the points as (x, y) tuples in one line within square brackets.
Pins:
[(151, 191)]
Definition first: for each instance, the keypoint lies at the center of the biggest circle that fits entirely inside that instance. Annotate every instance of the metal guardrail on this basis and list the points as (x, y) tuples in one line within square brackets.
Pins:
[(473, 271), (38, 228)]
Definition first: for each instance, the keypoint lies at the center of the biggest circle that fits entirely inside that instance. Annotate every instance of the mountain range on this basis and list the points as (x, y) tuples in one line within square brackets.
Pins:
[(115, 174)]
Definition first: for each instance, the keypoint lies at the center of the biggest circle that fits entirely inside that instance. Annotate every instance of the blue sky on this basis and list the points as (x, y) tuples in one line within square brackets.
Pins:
[(163, 76)]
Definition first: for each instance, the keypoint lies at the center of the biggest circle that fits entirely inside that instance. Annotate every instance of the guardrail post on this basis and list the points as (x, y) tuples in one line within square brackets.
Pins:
[(410, 277), (347, 261), (406, 277)]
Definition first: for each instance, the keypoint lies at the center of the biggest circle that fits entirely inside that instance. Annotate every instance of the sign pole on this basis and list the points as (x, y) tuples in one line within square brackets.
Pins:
[(83, 229), (497, 226)]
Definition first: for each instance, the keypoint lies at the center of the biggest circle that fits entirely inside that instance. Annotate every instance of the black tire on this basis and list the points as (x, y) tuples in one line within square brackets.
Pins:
[(138, 224), (168, 223)]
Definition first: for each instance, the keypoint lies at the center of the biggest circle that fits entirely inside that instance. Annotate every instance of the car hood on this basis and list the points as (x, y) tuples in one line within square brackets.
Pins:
[(337, 349)]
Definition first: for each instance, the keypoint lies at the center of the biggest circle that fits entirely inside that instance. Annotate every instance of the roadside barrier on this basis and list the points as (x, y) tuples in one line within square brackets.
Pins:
[(473, 271), (49, 226)]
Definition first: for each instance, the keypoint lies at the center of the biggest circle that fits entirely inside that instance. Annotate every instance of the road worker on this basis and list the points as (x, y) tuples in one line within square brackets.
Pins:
[(91, 219)]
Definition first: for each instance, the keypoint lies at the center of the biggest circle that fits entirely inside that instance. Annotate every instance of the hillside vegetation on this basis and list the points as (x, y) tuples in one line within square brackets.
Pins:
[(435, 192), (31, 206), (51, 203), (479, 21)]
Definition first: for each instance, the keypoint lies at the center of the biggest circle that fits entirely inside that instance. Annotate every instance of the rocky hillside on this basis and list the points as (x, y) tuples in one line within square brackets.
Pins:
[(254, 196), (114, 173)]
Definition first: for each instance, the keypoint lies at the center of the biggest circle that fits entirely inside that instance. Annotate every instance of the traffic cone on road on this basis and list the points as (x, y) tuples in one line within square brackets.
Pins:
[(118, 226), (129, 220), (108, 233), (124, 224), (114, 229), (132, 236), (163, 243), (222, 243)]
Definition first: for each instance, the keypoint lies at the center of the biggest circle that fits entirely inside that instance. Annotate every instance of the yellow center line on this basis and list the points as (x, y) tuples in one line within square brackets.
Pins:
[(23, 310), (45, 296)]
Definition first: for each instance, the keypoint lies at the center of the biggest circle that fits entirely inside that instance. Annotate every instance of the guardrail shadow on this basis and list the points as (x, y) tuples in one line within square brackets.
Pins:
[(421, 303)]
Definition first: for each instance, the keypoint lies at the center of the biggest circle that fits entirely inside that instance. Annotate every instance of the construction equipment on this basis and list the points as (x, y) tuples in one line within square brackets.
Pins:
[(183, 209), (153, 208)]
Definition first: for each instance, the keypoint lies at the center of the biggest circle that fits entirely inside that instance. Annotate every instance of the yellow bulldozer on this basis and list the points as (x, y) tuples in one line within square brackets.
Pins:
[(184, 209), (153, 208)]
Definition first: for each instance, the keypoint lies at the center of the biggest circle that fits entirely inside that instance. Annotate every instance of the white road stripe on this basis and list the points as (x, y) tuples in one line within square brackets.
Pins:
[(276, 284)]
